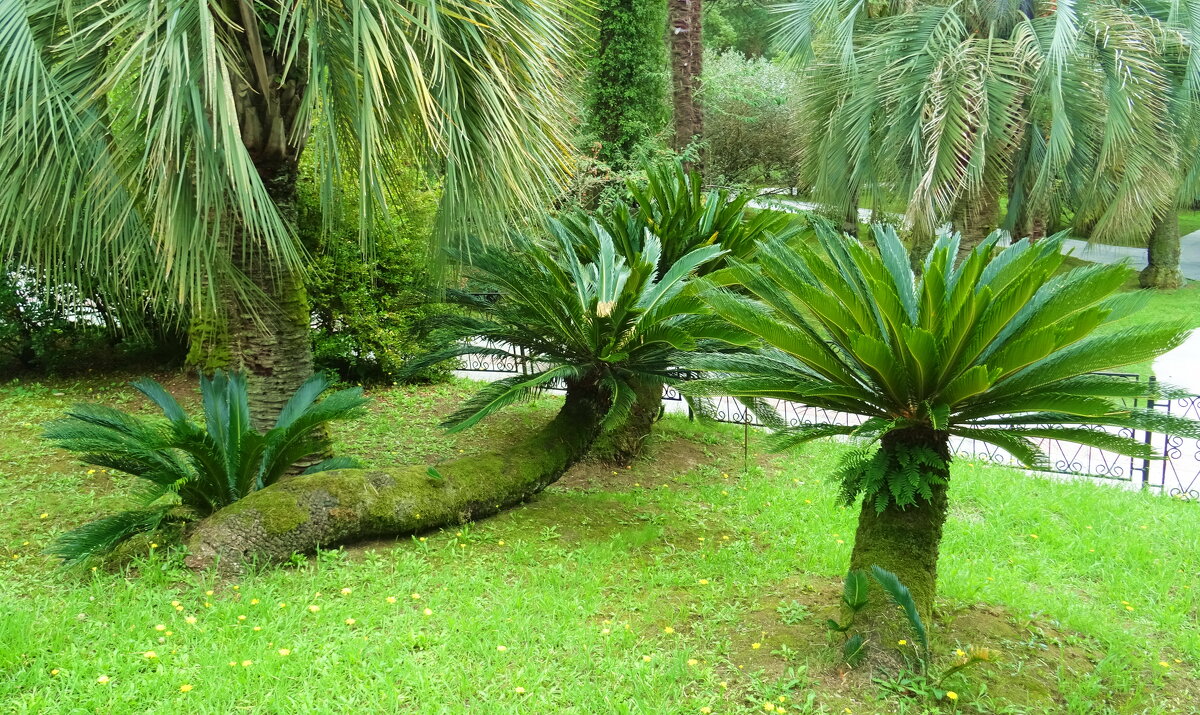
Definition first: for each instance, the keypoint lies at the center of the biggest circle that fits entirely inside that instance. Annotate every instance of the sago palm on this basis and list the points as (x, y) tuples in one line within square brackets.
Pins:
[(1002, 350), (162, 138), (946, 106), (609, 325), (191, 470)]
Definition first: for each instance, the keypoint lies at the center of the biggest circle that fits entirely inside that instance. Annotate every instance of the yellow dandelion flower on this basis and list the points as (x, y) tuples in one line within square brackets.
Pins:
[(208, 592), (284, 652), (769, 707), (706, 710), (951, 695), (668, 630), (429, 611), (692, 661), (347, 591), (103, 680), (350, 621), (519, 690), (149, 655), (756, 646), (160, 627), (605, 631), (314, 608), (185, 688), (54, 671), (1164, 664), (282, 605), (247, 663), (1129, 608), (390, 599), (257, 628), (646, 659), (241, 618), (703, 582), (254, 602), (959, 652), (902, 642), (1033, 536), (723, 684), (153, 546), (416, 597), (190, 620), (233, 664), (236, 587), (169, 633), (179, 608), (174, 603), (43, 515), (91, 471)]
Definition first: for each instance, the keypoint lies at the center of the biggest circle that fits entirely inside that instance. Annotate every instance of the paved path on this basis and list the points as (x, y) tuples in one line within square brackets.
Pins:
[(1189, 254)]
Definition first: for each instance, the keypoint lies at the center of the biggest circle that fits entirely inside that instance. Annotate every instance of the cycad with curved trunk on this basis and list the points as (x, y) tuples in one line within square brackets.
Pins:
[(947, 106), (603, 327), (1002, 350), (162, 137)]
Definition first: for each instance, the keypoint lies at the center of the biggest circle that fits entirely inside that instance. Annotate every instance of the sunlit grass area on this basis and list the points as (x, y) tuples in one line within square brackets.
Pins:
[(686, 582)]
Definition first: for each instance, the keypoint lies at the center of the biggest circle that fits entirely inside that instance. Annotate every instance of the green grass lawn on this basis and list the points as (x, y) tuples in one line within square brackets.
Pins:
[(1189, 221), (681, 584)]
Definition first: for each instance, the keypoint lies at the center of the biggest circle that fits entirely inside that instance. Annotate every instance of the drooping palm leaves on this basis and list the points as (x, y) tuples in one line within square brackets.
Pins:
[(949, 105), (191, 470), (999, 350), (122, 124), (612, 320)]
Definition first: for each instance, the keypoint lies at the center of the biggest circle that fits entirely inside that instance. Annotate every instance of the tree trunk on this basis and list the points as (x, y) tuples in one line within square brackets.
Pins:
[(686, 56), (1162, 255), (974, 217), (329, 508), (269, 332), (623, 444), (904, 541), (850, 218)]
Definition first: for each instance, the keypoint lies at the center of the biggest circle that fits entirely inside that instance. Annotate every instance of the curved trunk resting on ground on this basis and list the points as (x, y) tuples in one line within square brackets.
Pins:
[(329, 508), (904, 541)]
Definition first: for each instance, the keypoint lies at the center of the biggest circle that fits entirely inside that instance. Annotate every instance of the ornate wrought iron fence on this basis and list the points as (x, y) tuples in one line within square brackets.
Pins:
[(1177, 475)]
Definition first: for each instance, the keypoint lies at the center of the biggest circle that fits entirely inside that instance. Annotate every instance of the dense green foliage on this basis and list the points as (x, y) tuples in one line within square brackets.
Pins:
[(998, 350), (627, 84), (946, 106), (672, 206), (191, 470), (367, 313), (612, 321), (753, 132), (740, 25)]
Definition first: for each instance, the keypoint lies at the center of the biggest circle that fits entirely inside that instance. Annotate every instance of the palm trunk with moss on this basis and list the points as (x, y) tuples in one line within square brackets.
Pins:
[(975, 217), (1162, 255), (905, 541), (623, 444), (268, 325), (329, 508)]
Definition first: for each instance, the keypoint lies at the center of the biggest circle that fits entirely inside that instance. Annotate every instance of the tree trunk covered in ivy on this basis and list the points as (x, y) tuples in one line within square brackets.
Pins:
[(623, 444), (1162, 255), (627, 103), (687, 54), (905, 541), (267, 323), (328, 508)]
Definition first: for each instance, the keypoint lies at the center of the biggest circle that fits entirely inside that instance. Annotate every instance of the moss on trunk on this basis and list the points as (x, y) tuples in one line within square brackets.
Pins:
[(1162, 255), (623, 444), (975, 217), (904, 541), (330, 508)]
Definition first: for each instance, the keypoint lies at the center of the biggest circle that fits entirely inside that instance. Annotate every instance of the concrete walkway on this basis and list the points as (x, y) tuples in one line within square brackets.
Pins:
[(1189, 254)]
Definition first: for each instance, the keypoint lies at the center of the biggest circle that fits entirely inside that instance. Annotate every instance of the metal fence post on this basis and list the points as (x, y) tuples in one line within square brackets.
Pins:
[(1149, 438)]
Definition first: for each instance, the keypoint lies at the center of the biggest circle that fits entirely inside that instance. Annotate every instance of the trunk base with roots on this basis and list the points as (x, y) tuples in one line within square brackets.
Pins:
[(301, 514), (1162, 256), (904, 541), (624, 444)]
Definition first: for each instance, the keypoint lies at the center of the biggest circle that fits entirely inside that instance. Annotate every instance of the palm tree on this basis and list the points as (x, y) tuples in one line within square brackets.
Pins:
[(601, 328), (1002, 350), (948, 105), (162, 138), (192, 470)]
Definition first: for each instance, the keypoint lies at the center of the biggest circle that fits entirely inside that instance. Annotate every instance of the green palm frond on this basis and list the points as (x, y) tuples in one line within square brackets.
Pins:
[(201, 468), (997, 347)]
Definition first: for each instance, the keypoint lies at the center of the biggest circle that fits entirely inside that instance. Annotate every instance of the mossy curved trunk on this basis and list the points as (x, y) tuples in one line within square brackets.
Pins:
[(623, 444), (1162, 255), (904, 541), (330, 508)]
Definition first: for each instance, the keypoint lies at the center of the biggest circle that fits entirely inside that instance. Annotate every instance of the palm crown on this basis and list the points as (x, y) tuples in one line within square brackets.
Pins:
[(612, 320), (191, 470), (994, 349)]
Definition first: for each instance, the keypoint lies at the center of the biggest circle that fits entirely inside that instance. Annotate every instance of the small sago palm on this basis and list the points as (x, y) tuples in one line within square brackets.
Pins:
[(607, 327), (997, 349), (191, 470)]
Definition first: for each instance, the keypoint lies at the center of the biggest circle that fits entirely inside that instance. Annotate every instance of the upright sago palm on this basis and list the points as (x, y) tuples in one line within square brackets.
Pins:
[(1002, 350), (162, 138)]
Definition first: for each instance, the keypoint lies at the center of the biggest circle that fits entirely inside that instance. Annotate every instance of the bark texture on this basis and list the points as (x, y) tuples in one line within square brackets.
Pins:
[(687, 54), (268, 333), (1162, 255), (329, 508), (904, 541), (624, 444), (975, 217)]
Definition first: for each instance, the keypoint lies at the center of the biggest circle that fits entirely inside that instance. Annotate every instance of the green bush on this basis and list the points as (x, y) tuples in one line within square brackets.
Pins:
[(367, 311), (752, 134)]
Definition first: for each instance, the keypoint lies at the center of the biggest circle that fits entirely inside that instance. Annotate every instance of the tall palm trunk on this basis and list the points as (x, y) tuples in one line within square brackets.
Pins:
[(905, 541), (686, 56), (328, 508), (269, 332), (1162, 254), (974, 217)]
